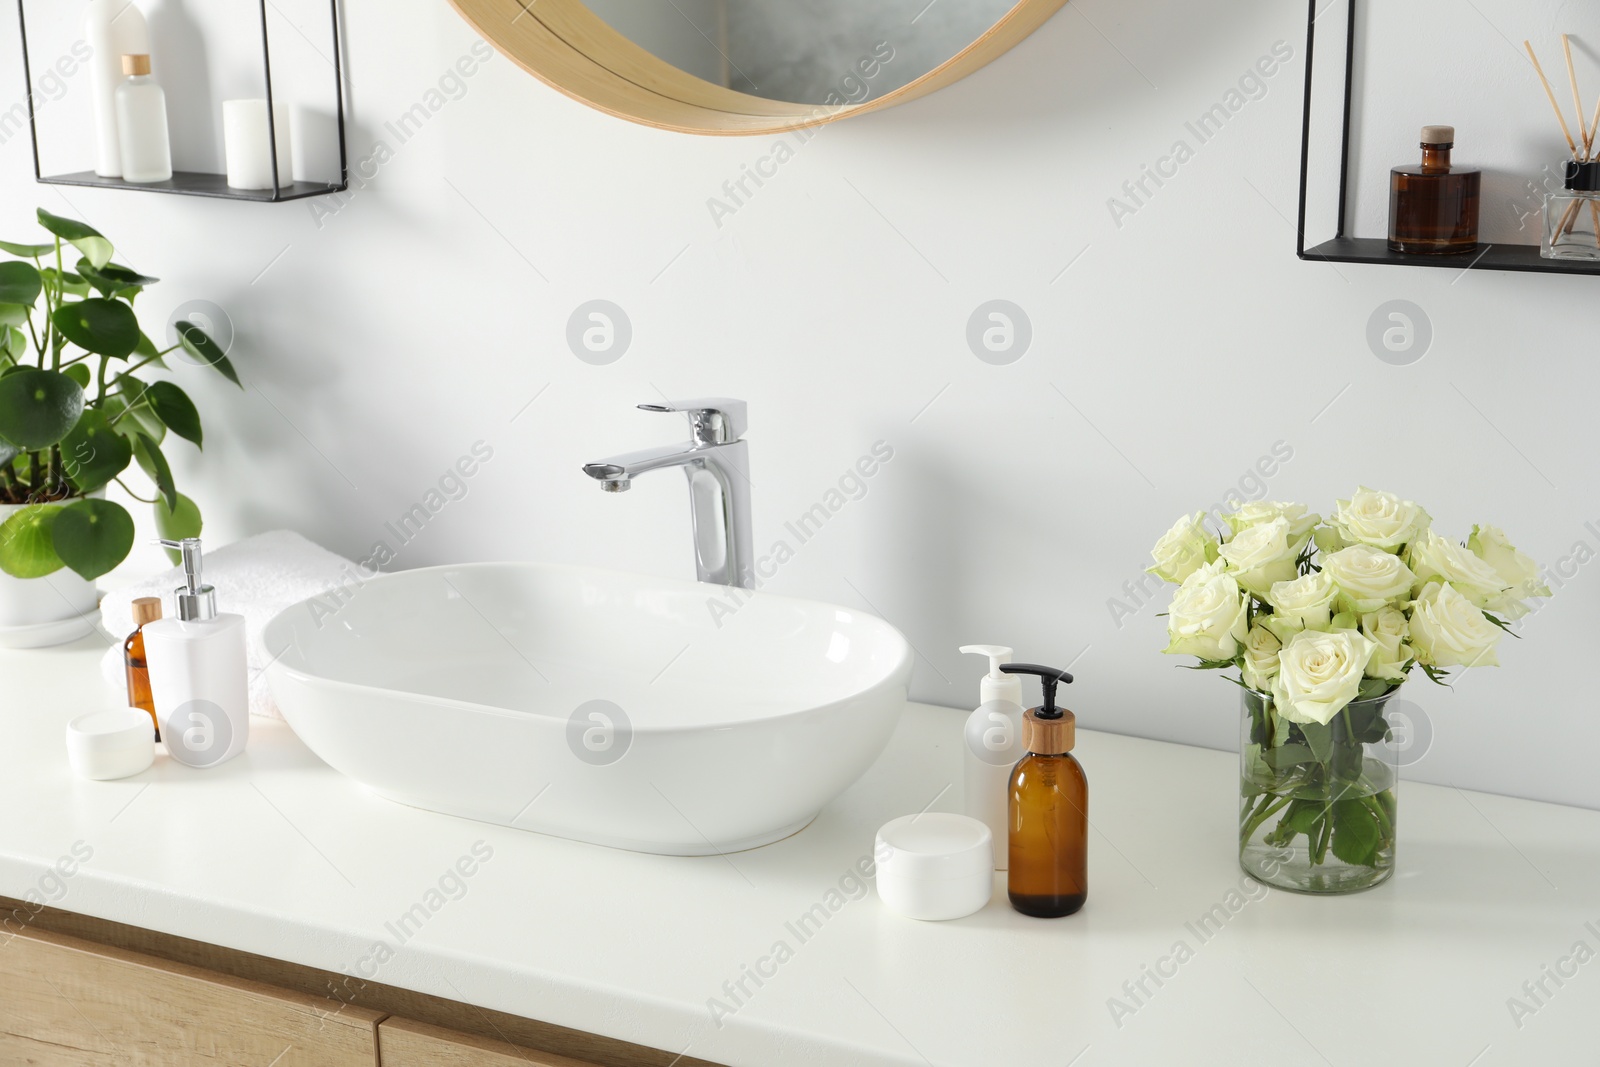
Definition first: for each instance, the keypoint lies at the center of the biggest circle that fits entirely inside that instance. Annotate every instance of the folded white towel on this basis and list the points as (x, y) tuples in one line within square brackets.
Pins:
[(257, 578)]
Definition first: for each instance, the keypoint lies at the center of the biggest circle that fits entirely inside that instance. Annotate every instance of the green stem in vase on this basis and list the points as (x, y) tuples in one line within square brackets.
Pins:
[(1269, 807)]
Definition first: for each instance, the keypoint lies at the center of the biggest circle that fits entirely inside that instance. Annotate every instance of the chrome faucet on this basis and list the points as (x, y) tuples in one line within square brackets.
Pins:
[(717, 463)]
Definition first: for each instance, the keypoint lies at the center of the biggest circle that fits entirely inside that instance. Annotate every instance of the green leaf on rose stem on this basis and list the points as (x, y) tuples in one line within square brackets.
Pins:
[(1355, 833), (1372, 688), (86, 239), (1210, 665), (93, 453), (93, 536), (104, 327), (130, 423), (26, 550), (112, 279), (1280, 730), (175, 524), (56, 282), (20, 283), (1283, 757), (26, 251), (79, 373), (1319, 739), (173, 407), (38, 407), (148, 453), (199, 344)]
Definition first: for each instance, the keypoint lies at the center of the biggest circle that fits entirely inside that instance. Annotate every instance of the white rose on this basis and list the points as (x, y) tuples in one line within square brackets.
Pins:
[(1262, 511), (1381, 520), (1521, 574), (1260, 658), (1319, 673), (1368, 578), (1306, 603), (1208, 617), (1184, 549), (1448, 630), (1261, 555), (1388, 630), (1433, 556)]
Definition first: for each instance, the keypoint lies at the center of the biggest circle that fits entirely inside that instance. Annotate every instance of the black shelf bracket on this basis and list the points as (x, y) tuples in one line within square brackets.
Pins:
[(1344, 248), (194, 183)]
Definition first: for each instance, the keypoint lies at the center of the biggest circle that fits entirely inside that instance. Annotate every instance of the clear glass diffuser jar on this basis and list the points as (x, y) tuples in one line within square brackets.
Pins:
[(1317, 803), (1572, 216)]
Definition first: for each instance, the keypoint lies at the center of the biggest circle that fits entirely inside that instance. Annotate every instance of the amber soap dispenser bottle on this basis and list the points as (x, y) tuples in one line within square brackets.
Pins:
[(1049, 809), (145, 610)]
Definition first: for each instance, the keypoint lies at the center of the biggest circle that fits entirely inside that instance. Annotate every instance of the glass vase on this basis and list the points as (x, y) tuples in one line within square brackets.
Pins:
[(1317, 803)]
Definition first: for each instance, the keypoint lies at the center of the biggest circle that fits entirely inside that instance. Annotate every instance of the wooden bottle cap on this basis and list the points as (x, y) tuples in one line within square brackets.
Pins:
[(1049, 737), (1438, 135), (146, 609), (136, 64)]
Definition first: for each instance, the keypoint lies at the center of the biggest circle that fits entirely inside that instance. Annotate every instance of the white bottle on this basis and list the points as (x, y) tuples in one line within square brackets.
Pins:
[(113, 29), (198, 675), (142, 124), (993, 747)]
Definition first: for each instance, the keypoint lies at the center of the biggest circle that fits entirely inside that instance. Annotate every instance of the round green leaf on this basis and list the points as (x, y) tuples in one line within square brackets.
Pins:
[(26, 251), (86, 239), (13, 315), (19, 283), (174, 408), (38, 407), (148, 453), (177, 524), (93, 536), (79, 373), (26, 548), (199, 344), (104, 327), (93, 453), (113, 278)]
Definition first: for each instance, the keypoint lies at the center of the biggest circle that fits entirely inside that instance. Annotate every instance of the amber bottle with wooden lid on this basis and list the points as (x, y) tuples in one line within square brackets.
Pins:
[(145, 610), (1049, 811)]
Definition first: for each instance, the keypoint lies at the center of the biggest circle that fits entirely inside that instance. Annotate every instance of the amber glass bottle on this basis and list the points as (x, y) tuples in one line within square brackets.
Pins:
[(145, 610), (1433, 208), (1049, 810)]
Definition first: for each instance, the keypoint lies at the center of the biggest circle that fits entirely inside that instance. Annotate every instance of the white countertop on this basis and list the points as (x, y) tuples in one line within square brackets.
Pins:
[(274, 853)]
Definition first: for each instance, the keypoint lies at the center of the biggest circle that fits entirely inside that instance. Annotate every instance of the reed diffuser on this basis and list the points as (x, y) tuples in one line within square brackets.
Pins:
[(1572, 215)]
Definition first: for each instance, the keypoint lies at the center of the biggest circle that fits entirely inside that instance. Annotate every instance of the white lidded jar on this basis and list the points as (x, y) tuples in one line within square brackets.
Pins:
[(198, 674), (142, 124), (113, 29), (993, 745)]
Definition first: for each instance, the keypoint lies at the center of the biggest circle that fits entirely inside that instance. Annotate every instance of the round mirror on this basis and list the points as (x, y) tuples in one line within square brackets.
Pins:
[(751, 66)]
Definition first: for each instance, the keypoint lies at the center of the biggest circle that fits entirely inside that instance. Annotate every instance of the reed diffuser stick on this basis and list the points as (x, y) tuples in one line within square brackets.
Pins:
[(1566, 131), (1577, 99)]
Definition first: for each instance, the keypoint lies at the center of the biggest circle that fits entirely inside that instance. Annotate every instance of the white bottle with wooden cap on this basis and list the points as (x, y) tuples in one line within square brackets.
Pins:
[(113, 29), (142, 124)]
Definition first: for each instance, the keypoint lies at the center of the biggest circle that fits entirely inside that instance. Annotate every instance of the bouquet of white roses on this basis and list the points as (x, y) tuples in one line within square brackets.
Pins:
[(1323, 619)]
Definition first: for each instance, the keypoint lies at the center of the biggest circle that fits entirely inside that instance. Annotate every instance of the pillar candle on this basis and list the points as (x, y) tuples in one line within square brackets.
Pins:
[(248, 146)]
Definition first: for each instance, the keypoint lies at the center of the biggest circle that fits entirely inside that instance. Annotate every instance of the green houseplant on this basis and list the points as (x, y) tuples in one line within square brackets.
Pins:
[(78, 408)]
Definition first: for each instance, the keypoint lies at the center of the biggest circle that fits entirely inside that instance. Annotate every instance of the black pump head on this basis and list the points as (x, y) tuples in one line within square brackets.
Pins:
[(1049, 677)]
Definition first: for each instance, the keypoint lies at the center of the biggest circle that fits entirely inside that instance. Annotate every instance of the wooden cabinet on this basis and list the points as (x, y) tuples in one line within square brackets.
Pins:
[(71, 1003), (403, 1043)]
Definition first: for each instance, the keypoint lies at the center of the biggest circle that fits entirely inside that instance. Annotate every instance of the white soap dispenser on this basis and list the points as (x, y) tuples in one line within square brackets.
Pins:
[(198, 674), (993, 747), (112, 29)]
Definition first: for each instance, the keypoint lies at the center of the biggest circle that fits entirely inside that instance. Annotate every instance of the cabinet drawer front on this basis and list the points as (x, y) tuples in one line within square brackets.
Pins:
[(408, 1044), (70, 1003)]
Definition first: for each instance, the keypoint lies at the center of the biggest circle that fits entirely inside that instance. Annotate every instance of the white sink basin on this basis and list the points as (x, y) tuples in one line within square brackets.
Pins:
[(471, 691)]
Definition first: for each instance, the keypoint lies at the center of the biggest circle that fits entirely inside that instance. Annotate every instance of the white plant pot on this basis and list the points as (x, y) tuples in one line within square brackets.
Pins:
[(39, 612)]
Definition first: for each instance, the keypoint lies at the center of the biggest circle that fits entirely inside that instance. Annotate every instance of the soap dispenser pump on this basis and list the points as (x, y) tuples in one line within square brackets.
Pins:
[(198, 673), (1049, 809), (993, 747)]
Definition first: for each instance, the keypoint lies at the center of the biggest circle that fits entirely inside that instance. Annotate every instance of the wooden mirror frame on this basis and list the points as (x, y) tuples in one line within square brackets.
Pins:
[(570, 48)]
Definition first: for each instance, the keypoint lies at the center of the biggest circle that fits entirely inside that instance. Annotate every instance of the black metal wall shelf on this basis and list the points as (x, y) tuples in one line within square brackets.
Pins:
[(1344, 248), (195, 183)]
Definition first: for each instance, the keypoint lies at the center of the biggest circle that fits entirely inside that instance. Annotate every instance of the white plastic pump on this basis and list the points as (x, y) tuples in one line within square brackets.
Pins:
[(993, 747)]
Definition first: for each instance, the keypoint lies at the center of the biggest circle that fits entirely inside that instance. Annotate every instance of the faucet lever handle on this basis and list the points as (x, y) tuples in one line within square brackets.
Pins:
[(713, 420)]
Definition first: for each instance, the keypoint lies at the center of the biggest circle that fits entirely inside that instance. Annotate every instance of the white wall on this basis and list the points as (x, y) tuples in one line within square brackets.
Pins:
[(1174, 352)]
